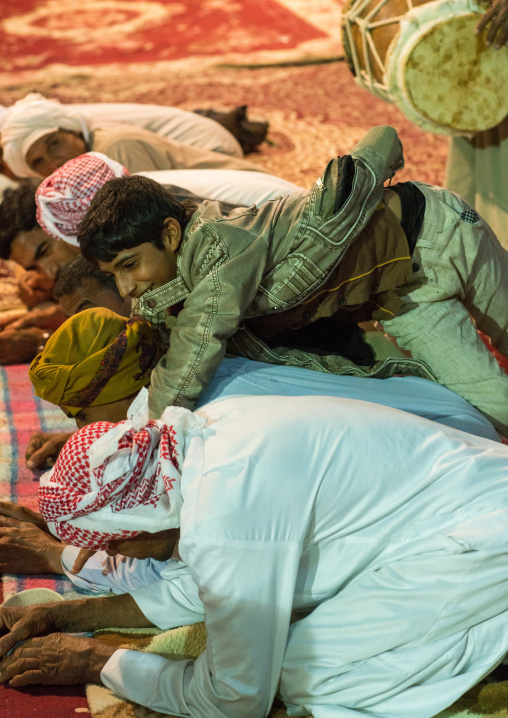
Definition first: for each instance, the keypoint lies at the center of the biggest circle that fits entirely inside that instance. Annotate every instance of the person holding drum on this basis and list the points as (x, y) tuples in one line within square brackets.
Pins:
[(415, 257), (444, 64), (477, 166)]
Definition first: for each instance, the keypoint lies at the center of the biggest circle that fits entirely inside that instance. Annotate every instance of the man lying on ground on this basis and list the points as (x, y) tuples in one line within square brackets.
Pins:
[(350, 558), (40, 135)]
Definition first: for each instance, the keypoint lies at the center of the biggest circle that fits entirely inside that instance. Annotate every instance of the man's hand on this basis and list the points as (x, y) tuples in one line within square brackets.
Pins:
[(35, 288), (18, 346), (18, 624), (22, 513), (26, 549), (56, 660), (43, 449), (497, 16), (49, 318)]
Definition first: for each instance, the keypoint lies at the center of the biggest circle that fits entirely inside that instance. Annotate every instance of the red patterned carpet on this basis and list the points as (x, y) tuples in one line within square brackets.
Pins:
[(211, 53), (37, 33)]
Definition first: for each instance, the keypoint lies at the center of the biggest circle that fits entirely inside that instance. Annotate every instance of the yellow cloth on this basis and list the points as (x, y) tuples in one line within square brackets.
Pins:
[(96, 357)]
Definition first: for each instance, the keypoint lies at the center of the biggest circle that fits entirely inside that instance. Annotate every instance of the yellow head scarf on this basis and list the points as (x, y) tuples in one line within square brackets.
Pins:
[(96, 357)]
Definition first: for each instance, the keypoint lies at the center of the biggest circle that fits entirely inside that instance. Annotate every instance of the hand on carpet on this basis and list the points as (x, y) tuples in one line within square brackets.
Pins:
[(43, 449), (55, 660), (22, 513), (17, 624), (20, 345), (26, 549)]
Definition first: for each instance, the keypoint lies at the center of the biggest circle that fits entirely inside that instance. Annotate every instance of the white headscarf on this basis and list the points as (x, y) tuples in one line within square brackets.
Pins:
[(30, 119)]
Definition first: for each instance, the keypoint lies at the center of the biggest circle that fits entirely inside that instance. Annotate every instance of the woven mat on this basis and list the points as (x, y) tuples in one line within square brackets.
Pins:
[(484, 700)]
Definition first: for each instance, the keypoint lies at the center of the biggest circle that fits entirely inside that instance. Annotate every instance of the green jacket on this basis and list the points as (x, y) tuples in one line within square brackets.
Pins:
[(258, 261)]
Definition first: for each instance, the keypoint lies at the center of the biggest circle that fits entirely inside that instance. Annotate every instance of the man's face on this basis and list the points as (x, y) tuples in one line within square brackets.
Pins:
[(145, 267), (159, 546), (51, 151), (36, 250), (93, 294)]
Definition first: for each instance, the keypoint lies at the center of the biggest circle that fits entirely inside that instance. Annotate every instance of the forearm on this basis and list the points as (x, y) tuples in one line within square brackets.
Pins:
[(90, 614)]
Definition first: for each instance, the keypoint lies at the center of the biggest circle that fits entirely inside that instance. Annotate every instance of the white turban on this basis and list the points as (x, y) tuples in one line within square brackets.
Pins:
[(30, 119)]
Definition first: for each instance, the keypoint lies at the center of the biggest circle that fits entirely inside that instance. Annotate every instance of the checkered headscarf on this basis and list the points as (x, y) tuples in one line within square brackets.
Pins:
[(114, 481), (64, 197)]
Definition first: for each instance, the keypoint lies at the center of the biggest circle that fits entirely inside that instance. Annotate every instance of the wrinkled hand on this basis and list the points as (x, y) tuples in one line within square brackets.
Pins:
[(497, 16), (43, 449), (22, 513), (26, 549), (56, 660), (17, 624)]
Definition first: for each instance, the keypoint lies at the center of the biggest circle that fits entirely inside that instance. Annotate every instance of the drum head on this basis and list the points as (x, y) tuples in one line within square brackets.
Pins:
[(443, 76)]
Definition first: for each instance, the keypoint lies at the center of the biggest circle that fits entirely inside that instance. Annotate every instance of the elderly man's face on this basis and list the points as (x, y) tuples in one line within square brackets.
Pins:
[(36, 250), (92, 294), (51, 151)]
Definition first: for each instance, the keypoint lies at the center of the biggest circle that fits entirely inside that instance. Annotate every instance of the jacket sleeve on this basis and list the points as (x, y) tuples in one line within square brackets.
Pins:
[(210, 315)]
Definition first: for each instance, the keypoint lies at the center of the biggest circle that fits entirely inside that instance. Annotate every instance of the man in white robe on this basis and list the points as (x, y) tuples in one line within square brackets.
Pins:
[(349, 558)]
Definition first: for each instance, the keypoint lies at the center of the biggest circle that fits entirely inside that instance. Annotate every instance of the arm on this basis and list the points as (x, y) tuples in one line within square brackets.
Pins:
[(18, 346), (88, 614), (248, 594), (210, 315), (141, 151)]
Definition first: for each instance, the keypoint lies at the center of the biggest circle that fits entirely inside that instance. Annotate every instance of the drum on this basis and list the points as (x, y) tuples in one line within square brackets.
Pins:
[(425, 58)]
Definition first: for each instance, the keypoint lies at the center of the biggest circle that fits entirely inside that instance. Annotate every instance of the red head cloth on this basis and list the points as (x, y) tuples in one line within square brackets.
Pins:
[(64, 197), (114, 481)]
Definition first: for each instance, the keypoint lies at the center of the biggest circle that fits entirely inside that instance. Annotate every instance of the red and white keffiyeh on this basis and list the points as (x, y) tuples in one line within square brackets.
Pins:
[(114, 481), (64, 197)]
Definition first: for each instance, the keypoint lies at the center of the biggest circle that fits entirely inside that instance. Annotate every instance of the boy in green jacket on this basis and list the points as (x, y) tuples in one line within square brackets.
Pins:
[(415, 257)]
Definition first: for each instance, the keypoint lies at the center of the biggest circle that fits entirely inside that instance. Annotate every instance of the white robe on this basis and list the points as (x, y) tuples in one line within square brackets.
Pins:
[(350, 557), (241, 377)]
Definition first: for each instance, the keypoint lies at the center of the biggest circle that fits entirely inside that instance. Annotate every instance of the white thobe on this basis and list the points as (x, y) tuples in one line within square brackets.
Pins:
[(171, 122), (349, 557), (237, 376)]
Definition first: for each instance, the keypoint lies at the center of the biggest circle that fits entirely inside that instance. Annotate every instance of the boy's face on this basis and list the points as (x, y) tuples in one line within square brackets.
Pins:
[(146, 267)]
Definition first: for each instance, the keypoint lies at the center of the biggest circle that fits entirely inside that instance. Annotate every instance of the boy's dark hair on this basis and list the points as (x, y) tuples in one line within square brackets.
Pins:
[(17, 214), (126, 212), (75, 273)]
